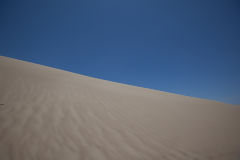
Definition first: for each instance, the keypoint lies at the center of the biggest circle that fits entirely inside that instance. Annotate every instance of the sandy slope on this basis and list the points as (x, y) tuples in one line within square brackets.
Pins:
[(50, 114)]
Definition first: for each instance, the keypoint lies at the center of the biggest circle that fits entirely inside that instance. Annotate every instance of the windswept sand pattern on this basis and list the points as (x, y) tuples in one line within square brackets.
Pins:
[(49, 114)]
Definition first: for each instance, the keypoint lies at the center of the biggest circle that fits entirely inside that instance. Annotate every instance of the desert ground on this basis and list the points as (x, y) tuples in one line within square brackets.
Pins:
[(51, 114)]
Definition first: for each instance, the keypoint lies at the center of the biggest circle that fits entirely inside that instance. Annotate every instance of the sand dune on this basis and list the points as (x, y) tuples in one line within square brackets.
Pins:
[(50, 114)]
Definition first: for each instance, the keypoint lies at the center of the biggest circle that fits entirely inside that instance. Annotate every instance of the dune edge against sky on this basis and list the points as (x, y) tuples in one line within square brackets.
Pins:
[(52, 114)]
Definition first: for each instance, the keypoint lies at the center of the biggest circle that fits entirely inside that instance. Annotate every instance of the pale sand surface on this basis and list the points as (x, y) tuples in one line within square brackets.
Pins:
[(50, 114)]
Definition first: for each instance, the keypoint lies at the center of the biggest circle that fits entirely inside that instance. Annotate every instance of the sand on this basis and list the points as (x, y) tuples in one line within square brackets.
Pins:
[(50, 114)]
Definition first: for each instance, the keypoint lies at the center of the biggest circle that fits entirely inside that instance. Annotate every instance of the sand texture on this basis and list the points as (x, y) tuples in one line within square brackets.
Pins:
[(50, 114)]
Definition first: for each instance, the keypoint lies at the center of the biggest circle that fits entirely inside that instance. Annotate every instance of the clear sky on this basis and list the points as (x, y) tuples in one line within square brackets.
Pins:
[(189, 47)]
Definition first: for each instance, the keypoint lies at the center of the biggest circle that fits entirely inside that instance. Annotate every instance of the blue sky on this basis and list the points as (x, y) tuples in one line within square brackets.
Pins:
[(189, 47)]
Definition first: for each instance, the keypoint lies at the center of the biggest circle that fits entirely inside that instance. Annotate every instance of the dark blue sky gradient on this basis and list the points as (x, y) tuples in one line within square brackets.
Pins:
[(189, 47)]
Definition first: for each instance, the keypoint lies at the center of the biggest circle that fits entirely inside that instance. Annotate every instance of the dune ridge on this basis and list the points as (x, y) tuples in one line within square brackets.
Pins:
[(51, 114)]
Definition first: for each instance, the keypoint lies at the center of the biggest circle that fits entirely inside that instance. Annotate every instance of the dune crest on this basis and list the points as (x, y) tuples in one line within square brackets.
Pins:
[(50, 114)]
